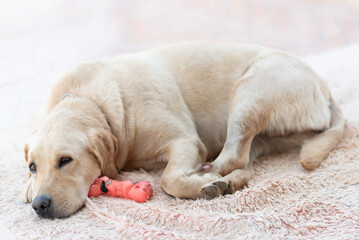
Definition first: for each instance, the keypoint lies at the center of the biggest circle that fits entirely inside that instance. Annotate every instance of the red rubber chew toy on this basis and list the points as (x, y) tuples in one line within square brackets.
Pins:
[(140, 191)]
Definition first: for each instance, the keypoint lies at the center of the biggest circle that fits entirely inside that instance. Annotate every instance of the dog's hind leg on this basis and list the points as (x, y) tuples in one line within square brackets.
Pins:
[(261, 145), (277, 95), (249, 115), (260, 101)]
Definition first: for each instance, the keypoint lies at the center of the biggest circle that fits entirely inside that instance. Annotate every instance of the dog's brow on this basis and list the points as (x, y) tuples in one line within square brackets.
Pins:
[(31, 161)]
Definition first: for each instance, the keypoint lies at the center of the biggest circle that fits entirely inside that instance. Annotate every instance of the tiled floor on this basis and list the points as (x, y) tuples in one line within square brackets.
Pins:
[(40, 39)]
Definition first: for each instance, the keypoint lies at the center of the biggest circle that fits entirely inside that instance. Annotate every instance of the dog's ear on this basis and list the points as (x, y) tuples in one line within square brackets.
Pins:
[(26, 148), (28, 191), (104, 147), (26, 151)]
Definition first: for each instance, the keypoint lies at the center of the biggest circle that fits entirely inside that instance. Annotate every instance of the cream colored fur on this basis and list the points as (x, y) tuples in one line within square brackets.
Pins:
[(176, 107)]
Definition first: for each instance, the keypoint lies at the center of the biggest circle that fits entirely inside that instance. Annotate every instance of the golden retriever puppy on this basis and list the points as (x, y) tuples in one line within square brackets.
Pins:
[(177, 107)]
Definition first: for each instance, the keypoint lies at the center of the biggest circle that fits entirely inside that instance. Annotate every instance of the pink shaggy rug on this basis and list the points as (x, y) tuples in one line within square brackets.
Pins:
[(282, 201)]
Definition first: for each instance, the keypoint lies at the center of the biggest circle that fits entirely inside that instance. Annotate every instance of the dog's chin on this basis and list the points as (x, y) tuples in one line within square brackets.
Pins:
[(60, 213)]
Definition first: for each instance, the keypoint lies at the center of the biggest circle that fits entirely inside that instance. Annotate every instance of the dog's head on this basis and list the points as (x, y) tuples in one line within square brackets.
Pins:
[(65, 155)]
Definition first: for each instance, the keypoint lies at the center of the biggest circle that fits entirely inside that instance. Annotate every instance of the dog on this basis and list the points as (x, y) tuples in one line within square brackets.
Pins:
[(178, 107)]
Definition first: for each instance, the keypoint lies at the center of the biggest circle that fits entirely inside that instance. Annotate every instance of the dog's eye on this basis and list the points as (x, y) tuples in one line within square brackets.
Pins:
[(64, 161), (32, 167)]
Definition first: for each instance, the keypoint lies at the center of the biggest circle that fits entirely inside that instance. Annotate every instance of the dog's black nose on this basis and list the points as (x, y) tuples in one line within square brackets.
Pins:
[(41, 205)]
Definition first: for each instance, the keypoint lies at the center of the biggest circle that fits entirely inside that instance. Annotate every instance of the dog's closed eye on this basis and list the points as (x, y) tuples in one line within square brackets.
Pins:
[(64, 161)]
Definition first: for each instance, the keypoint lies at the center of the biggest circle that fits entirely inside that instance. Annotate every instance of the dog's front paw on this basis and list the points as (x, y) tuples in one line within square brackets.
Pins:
[(217, 188)]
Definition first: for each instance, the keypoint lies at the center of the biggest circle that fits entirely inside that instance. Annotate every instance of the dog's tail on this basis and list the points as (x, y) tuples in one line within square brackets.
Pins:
[(316, 149)]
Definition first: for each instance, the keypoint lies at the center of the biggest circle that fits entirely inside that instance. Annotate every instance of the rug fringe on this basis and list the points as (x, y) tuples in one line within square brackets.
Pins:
[(100, 213)]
